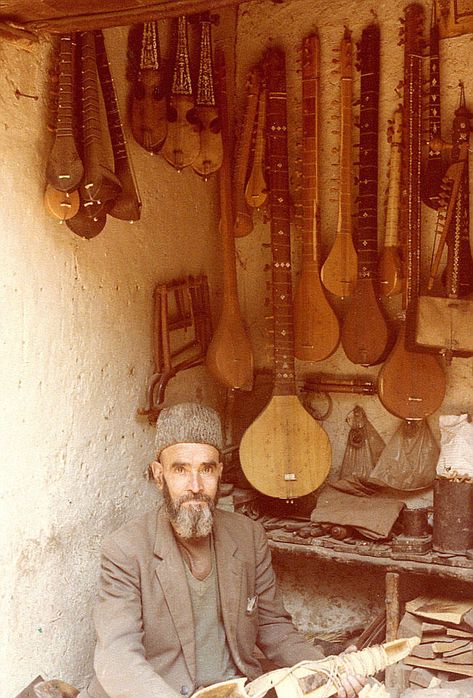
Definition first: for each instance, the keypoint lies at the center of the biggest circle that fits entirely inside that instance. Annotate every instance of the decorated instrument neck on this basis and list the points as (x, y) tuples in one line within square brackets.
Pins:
[(150, 58), (182, 83), (205, 83)]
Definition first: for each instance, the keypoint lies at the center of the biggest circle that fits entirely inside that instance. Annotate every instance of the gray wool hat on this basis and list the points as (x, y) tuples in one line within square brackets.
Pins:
[(188, 423)]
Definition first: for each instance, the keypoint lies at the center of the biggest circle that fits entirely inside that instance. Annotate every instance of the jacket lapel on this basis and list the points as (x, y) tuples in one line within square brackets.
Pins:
[(172, 577), (229, 571)]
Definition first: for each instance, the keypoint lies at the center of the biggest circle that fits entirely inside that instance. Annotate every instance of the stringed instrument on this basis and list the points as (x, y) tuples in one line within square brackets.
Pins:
[(256, 190), (243, 213), (435, 167), (316, 328), (390, 263), (148, 108), (64, 169), (182, 144), (284, 453), (339, 271), (411, 385), (210, 156), (365, 331), (61, 204), (127, 204), (229, 355), (100, 185)]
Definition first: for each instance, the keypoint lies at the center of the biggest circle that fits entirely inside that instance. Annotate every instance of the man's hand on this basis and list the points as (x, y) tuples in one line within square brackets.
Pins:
[(351, 686)]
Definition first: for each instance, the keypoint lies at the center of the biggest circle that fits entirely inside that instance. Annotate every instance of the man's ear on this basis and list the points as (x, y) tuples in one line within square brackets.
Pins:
[(157, 470)]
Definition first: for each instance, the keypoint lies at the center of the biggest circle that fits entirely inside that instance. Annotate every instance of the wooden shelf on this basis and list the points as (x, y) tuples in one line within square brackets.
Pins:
[(458, 568)]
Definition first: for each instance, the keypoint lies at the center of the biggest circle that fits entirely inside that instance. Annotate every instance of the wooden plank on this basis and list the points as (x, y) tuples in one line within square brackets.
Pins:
[(62, 16), (440, 665), (449, 646), (459, 633), (440, 608)]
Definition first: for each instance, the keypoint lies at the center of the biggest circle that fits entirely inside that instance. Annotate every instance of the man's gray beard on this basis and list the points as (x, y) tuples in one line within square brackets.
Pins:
[(190, 521)]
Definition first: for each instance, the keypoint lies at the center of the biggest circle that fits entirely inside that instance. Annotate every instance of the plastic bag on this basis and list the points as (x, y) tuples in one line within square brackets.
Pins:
[(364, 446), (409, 460), (456, 445)]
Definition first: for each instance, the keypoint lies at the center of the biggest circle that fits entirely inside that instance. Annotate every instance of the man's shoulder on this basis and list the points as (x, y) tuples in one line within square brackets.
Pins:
[(141, 530), (238, 524)]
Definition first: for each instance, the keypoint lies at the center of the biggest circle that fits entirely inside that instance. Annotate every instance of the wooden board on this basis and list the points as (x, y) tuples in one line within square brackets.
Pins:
[(438, 608), (440, 665), (285, 453)]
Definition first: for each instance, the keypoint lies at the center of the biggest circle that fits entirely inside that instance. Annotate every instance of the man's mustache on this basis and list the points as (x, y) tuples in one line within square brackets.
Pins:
[(196, 497)]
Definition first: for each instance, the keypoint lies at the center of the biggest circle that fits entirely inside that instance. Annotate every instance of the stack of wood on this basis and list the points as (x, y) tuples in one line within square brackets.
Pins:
[(445, 627)]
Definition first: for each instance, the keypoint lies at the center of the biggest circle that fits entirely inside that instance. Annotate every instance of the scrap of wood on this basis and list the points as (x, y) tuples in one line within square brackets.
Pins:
[(425, 651), (461, 658), (468, 618), (454, 632), (410, 625), (421, 677), (433, 628), (440, 665), (440, 608), (434, 637), (449, 646)]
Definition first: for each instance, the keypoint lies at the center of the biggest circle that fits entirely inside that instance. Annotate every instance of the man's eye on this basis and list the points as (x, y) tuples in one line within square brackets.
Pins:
[(207, 470)]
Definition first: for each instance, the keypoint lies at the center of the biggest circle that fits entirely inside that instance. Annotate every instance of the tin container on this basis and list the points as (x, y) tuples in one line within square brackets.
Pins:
[(453, 516)]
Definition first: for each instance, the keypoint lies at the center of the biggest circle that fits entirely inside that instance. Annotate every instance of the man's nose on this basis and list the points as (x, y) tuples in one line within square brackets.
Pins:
[(195, 484)]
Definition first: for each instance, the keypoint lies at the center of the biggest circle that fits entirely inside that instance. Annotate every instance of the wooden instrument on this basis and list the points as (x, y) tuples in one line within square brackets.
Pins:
[(64, 169), (434, 169), (127, 204), (88, 222), (210, 156), (100, 185), (182, 143), (316, 328), (148, 98), (61, 204), (284, 453), (229, 355), (339, 270), (411, 385), (256, 191), (243, 213), (390, 264), (364, 330)]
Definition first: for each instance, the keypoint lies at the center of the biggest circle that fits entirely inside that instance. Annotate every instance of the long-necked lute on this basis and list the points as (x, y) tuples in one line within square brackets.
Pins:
[(148, 118), (182, 143), (411, 385), (284, 453), (127, 204), (390, 263), (339, 270), (210, 155), (316, 327), (229, 355), (364, 330)]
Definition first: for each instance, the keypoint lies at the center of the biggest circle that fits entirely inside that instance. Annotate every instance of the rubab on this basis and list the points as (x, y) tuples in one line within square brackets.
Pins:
[(411, 385), (339, 270), (316, 327), (390, 264), (243, 213), (210, 155), (127, 204), (364, 330), (182, 143), (229, 355), (284, 453), (148, 98)]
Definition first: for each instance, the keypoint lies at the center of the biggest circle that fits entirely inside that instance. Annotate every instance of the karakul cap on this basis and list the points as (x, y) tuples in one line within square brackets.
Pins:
[(187, 423)]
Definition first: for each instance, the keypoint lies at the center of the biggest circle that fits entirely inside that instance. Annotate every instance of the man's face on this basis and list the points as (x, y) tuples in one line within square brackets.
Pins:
[(189, 476)]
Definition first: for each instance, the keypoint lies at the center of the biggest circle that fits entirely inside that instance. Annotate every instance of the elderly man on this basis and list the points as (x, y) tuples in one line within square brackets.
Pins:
[(188, 591)]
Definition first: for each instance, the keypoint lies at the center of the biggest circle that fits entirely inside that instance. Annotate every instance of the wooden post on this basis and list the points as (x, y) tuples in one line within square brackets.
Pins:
[(394, 675)]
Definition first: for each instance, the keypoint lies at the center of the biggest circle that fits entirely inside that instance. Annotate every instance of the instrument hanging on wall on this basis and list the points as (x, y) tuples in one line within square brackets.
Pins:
[(127, 204), (61, 204), (339, 270), (390, 264), (256, 191), (411, 385), (182, 143), (210, 156), (243, 213), (442, 325), (64, 169), (434, 169), (284, 453), (148, 97), (229, 355), (365, 331), (316, 328)]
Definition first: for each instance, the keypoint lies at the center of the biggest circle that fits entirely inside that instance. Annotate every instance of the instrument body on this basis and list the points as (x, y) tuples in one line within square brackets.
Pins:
[(339, 271), (182, 144), (284, 453), (364, 330), (390, 264), (148, 97), (316, 327), (411, 385), (229, 355)]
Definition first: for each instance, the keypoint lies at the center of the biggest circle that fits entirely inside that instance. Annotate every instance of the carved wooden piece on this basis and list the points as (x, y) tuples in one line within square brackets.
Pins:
[(256, 191), (316, 328), (284, 453)]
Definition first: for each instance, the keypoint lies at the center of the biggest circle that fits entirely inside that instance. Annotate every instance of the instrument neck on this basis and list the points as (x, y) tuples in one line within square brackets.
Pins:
[(205, 84), (150, 58), (64, 125), (346, 159), (182, 83)]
